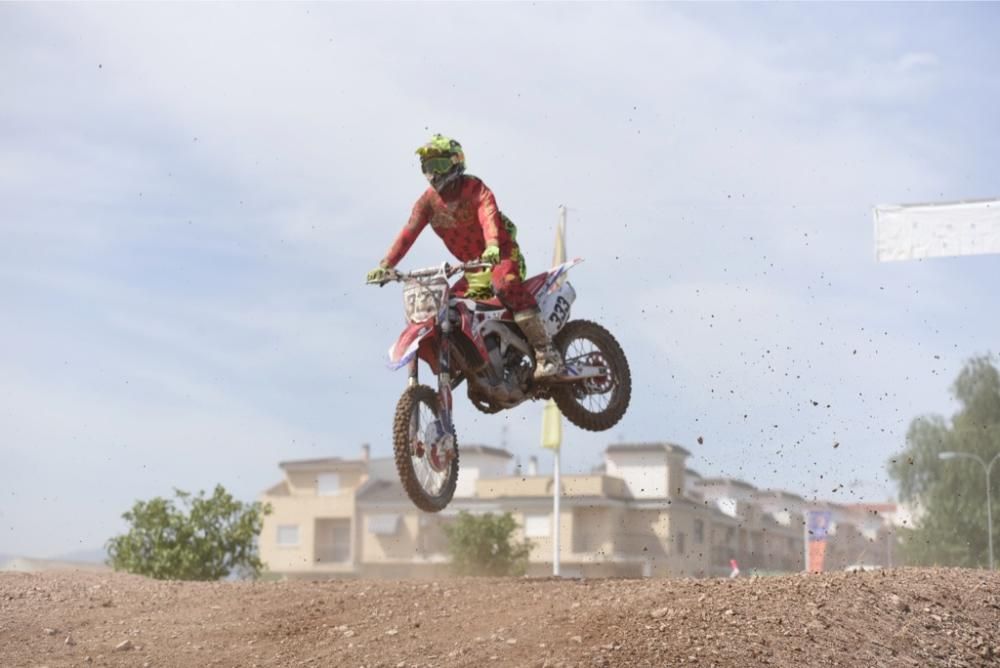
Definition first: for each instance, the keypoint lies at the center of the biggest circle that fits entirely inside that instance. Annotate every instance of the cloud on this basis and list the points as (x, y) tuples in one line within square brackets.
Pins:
[(916, 61), (190, 199)]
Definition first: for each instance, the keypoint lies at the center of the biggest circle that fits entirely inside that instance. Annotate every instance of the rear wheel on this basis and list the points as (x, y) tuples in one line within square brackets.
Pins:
[(425, 468), (595, 404)]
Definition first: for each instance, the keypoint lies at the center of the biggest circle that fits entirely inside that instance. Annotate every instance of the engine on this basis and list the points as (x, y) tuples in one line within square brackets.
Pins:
[(506, 375)]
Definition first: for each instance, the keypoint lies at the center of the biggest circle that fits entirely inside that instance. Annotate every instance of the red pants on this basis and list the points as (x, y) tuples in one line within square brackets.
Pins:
[(507, 286)]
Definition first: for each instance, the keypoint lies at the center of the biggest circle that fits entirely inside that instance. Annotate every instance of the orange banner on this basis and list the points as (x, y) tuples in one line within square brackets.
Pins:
[(817, 550)]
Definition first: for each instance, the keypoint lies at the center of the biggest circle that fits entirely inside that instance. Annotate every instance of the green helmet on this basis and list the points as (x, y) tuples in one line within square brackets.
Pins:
[(442, 161)]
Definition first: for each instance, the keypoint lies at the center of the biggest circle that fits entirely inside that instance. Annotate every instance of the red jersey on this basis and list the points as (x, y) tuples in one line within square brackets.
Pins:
[(466, 218)]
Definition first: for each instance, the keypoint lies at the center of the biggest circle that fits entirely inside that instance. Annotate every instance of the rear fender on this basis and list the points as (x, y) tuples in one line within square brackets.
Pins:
[(556, 277), (555, 296), (555, 307)]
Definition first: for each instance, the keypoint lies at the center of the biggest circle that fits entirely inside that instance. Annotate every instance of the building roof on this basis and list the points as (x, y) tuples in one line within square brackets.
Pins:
[(475, 449), (526, 487), (383, 468), (321, 463), (670, 448), (723, 482), (281, 489), (381, 491), (776, 494), (881, 508)]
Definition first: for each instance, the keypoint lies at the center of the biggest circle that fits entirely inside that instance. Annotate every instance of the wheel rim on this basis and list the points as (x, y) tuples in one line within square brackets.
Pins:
[(593, 394), (431, 467)]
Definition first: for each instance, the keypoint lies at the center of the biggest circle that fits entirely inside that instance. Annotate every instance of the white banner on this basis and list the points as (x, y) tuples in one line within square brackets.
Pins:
[(914, 231)]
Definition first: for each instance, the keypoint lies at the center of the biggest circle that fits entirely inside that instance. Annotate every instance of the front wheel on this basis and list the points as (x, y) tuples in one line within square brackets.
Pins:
[(595, 404), (427, 469)]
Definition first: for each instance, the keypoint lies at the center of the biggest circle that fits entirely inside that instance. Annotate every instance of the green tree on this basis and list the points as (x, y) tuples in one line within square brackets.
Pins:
[(203, 539), (950, 496), (484, 545)]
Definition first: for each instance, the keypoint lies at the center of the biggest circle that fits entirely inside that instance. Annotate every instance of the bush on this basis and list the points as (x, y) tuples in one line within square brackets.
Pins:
[(214, 538), (484, 545)]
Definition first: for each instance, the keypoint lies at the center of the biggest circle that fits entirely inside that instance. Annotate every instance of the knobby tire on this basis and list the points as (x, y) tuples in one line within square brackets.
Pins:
[(408, 403), (618, 365)]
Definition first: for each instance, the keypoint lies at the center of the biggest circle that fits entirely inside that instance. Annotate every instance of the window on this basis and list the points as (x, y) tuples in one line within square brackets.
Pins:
[(699, 531), (327, 483), (288, 534), (537, 526), (383, 525), (333, 541), (679, 541)]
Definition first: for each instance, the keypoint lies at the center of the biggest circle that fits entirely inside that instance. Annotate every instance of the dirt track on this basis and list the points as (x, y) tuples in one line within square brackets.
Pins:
[(899, 618)]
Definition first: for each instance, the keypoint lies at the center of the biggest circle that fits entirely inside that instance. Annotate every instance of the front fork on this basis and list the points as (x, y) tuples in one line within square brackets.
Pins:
[(414, 379), (444, 377), (444, 385)]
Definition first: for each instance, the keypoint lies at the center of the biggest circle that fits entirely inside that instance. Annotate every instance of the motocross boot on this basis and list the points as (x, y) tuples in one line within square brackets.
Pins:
[(548, 361)]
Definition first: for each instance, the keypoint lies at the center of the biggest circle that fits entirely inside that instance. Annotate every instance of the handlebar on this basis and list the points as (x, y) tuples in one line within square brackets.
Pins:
[(444, 269)]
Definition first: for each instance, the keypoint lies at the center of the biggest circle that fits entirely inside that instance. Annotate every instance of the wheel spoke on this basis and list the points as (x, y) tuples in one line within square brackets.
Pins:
[(597, 398), (425, 478), (430, 479), (426, 471), (593, 394)]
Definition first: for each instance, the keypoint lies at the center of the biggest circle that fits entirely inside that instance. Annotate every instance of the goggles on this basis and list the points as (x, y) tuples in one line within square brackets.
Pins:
[(436, 165)]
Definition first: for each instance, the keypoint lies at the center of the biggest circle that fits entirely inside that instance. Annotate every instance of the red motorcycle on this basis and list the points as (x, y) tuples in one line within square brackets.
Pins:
[(478, 342)]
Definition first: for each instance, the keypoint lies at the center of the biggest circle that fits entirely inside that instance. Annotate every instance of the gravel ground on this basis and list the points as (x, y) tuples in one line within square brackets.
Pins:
[(932, 617)]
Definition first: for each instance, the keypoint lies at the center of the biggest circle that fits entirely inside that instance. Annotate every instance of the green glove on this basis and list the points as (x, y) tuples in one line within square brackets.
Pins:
[(491, 255), (377, 274)]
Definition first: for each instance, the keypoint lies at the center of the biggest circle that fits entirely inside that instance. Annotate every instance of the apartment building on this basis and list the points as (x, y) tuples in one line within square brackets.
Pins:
[(642, 512)]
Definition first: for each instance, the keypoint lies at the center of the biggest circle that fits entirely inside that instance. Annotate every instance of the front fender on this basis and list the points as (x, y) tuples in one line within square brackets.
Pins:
[(405, 347)]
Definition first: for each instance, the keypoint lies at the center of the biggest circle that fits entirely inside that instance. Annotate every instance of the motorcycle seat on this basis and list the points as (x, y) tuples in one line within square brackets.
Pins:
[(532, 285), (492, 304)]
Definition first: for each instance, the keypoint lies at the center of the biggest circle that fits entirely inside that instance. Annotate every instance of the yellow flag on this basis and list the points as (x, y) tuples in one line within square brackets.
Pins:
[(559, 254), (551, 426)]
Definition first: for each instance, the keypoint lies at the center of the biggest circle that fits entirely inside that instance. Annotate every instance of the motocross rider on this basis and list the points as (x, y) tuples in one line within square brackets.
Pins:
[(463, 212)]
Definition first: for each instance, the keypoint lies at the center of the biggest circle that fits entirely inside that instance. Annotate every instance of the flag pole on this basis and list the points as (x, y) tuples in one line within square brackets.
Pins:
[(556, 485), (805, 541), (552, 419), (552, 439)]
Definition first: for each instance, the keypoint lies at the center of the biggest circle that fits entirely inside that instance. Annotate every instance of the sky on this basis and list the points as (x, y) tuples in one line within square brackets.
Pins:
[(191, 195)]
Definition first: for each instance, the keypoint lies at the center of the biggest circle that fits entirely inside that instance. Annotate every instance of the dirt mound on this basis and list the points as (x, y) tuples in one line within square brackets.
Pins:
[(894, 618)]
